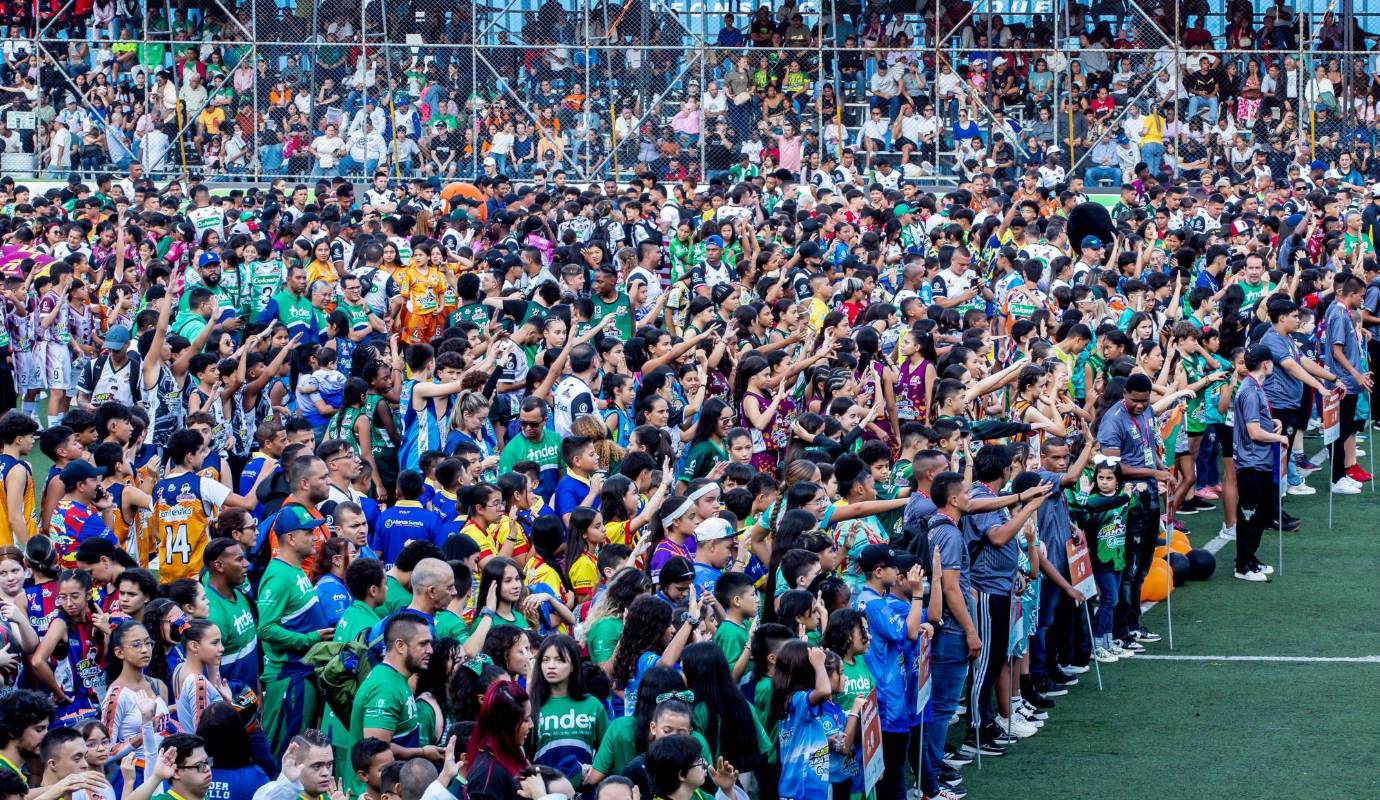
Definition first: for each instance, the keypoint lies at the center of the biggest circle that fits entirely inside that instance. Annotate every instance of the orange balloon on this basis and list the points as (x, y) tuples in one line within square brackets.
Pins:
[(468, 190), (1178, 543), (1157, 584)]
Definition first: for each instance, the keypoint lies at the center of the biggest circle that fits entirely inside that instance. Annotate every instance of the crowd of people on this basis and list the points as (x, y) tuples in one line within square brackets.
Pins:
[(557, 490), (625, 88), (528, 487)]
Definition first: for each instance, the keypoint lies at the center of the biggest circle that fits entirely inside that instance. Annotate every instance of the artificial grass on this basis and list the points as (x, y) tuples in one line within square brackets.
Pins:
[(1229, 729)]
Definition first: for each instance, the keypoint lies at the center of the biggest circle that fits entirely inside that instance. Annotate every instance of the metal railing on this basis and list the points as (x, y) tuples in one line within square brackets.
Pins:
[(455, 90)]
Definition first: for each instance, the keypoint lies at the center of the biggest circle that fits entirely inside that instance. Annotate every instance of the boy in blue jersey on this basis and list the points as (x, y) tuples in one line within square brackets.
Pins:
[(580, 486), (406, 520), (891, 645), (270, 438), (714, 537), (444, 500)]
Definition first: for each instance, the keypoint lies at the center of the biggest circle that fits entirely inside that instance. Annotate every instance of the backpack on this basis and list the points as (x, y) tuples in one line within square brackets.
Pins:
[(915, 539), (136, 375), (339, 670)]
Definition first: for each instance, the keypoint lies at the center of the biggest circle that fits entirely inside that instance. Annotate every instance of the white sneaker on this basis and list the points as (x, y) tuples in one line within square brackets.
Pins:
[(1073, 670), (1027, 710), (1018, 727), (1228, 532), (1019, 713), (1254, 576), (1104, 656), (1343, 487), (1302, 490), (1119, 651), (1360, 452), (1350, 481), (1265, 568)]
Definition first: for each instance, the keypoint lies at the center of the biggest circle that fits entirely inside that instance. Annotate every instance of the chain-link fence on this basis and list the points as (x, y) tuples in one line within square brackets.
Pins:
[(454, 90)]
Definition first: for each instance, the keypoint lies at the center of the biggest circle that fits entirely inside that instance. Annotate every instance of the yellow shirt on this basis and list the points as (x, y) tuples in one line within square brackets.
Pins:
[(1153, 130), (818, 310), (615, 533), (317, 271), (423, 290), (584, 574)]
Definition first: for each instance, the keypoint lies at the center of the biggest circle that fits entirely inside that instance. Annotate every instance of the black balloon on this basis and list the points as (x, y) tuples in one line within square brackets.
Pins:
[(1090, 219), (1180, 564), (1201, 564)]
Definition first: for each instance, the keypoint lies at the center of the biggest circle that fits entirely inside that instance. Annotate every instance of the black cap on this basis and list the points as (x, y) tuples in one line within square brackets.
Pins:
[(874, 556), (78, 471), (677, 569)]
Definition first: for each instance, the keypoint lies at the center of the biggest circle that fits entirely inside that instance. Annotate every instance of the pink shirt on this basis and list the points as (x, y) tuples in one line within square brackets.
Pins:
[(790, 150)]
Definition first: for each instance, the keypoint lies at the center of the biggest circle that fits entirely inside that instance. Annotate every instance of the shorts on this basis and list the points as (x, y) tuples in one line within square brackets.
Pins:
[(26, 371), (78, 367), (421, 328), (1224, 434), (55, 365)]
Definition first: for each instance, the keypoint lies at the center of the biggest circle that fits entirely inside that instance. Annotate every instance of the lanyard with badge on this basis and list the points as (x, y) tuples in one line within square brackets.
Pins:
[(1150, 450)]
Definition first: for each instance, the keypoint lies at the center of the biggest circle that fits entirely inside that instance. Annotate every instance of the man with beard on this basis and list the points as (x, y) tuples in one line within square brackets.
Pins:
[(385, 707)]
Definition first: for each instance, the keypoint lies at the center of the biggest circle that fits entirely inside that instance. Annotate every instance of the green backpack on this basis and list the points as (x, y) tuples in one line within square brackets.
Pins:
[(339, 669)]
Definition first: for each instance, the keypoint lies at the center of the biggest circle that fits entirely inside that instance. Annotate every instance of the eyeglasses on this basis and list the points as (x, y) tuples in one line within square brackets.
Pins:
[(532, 423), (200, 766)]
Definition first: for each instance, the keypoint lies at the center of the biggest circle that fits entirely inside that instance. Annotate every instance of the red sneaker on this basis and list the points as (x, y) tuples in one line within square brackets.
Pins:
[(1357, 474)]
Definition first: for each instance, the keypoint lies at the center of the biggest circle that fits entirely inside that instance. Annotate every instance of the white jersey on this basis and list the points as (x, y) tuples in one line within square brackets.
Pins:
[(574, 398)]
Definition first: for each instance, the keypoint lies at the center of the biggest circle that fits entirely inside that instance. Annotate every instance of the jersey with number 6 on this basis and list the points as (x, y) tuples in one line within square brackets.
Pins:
[(184, 506)]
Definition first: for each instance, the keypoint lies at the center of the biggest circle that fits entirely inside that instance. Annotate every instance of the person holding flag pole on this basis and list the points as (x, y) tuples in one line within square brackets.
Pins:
[(1259, 445)]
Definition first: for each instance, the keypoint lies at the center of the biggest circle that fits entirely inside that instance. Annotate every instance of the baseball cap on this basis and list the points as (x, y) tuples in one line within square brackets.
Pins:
[(295, 518), (1090, 241), (714, 241), (78, 471), (677, 569), (874, 556), (117, 337), (1317, 164), (207, 258), (902, 209), (714, 529)]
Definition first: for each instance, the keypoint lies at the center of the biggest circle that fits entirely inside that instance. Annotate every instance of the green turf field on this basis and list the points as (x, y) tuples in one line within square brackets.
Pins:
[(1216, 726)]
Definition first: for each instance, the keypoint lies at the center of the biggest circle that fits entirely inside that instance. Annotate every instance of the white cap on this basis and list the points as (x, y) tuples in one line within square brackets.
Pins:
[(713, 529), (1375, 190)]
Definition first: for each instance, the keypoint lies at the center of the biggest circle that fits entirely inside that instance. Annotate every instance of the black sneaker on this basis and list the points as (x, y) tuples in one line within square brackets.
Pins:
[(987, 749), (993, 733), (1038, 700), (1186, 509), (1130, 643), (1062, 679), (1049, 688), (954, 789), (1144, 634), (1200, 504), (950, 775), (956, 759)]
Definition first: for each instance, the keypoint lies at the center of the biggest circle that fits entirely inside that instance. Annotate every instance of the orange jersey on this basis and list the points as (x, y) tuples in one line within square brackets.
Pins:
[(29, 503), (184, 508)]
